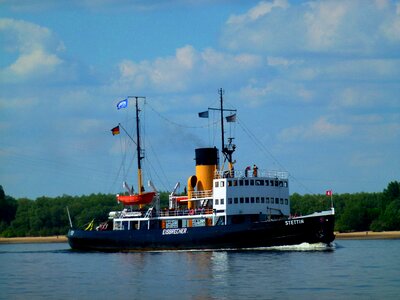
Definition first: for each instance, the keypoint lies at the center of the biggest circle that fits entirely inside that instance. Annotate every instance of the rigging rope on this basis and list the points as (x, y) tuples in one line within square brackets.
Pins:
[(261, 146), (173, 122)]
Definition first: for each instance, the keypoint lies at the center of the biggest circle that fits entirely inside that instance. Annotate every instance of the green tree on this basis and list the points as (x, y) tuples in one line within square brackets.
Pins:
[(8, 208)]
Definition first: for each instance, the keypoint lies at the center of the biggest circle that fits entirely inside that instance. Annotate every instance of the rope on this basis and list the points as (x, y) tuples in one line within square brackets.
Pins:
[(261, 146)]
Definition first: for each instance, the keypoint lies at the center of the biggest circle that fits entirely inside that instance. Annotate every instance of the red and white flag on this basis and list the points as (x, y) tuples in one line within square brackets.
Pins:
[(328, 192)]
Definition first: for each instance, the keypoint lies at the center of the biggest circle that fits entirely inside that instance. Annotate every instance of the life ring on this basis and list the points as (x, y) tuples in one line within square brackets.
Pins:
[(191, 212)]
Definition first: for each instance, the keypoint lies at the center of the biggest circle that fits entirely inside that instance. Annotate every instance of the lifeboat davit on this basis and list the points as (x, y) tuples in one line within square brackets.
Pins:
[(144, 198)]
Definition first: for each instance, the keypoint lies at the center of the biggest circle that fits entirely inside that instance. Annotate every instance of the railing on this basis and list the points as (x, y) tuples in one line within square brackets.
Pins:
[(260, 173), (185, 212), (202, 194)]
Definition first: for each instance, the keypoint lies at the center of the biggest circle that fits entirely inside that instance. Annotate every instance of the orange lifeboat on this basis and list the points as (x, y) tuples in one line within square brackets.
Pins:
[(181, 198), (144, 198)]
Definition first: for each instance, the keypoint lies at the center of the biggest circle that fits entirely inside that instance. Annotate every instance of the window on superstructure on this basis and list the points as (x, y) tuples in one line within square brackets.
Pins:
[(276, 200), (240, 182), (247, 199), (267, 200), (246, 182), (241, 200), (235, 183), (262, 200), (216, 201), (286, 184), (252, 199), (271, 183), (222, 184), (251, 182), (235, 200), (222, 201), (216, 184), (259, 182), (229, 183), (229, 200), (257, 199), (286, 201), (281, 183), (267, 182), (281, 201), (276, 183)]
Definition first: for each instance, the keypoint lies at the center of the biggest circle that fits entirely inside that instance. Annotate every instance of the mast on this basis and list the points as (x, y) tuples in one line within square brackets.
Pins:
[(226, 149), (221, 92), (138, 146)]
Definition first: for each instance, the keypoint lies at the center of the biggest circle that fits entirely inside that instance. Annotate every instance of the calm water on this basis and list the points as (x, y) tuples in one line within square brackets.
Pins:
[(353, 270)]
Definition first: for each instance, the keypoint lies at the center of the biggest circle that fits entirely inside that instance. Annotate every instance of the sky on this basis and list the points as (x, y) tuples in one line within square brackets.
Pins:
[(316, 85)]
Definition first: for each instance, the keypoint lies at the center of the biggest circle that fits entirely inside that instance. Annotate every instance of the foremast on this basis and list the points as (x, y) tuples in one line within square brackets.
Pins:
[(138, 147), (141, 197)]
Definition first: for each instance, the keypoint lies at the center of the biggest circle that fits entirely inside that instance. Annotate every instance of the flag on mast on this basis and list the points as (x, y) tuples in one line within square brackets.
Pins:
[(203, 114), (328, 193), (122, 104), (231, 118), (115, 130)]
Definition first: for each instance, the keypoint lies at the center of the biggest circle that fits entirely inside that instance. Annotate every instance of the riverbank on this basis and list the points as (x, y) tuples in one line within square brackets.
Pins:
[(39, 239), (367, 235), (363, 235)]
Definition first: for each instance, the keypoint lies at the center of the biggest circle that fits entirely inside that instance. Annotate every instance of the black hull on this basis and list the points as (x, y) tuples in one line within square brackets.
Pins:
[(310, 229)]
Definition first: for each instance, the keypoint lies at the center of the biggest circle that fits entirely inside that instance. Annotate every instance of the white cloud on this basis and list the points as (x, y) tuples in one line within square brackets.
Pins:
[(188, 68), (320, 129), (36, 62), (36, 49), (260, 10), (323, 21), (346, 27), (275, 61)]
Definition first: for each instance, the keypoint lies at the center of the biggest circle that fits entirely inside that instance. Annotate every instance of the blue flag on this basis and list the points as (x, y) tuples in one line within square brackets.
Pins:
[(122, 104)]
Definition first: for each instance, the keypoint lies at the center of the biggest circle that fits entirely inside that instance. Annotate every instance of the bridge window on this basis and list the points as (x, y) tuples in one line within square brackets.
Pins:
[(235, 200), (286, 201), (271, 183), (252, 199), (235, 183), (247, 199), (281, 183), (286, 184), (276, 183), (257, 199), (240, 182), (251, 182), (241, 200), (229, 183), (246, 182), (259, 182), (281, 201), (262, 199), (267, 200), (276, 200)]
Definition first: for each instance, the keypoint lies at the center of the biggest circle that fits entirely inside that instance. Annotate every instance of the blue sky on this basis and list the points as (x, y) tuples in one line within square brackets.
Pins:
[(316, 83)]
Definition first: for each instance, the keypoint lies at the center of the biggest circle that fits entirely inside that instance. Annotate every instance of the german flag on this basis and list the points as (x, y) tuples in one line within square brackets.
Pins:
[(115, 130)]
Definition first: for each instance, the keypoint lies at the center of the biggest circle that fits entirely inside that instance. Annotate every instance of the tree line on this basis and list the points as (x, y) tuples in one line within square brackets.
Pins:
[(46, 216)]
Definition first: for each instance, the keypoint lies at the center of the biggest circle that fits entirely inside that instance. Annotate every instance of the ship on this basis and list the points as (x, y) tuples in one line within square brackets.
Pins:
[(219, 209)]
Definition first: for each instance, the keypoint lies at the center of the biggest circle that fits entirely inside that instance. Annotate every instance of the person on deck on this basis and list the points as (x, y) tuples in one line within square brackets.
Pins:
[(246, 171), (255, 171)]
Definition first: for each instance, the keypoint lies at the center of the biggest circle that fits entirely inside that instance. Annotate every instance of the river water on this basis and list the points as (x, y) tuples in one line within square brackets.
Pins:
[(353, 269)]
